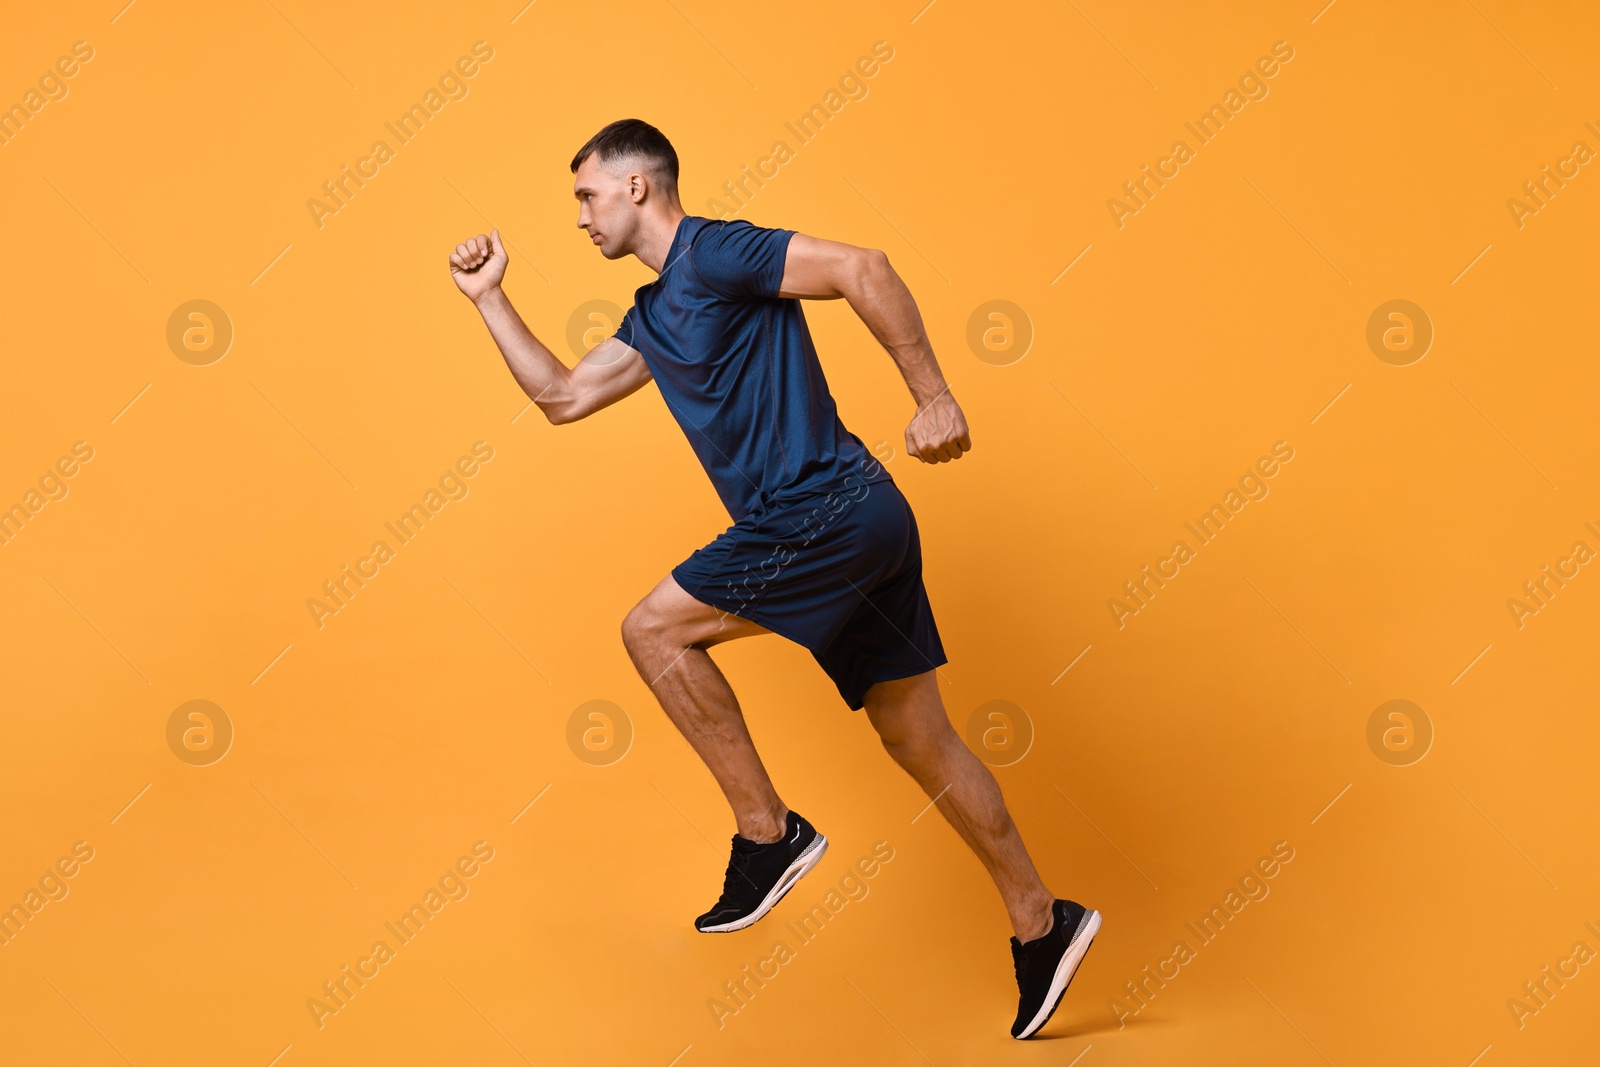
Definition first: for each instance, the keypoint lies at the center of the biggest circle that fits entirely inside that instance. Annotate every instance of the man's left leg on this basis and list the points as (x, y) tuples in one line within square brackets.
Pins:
[(667, 635), (911, 721)]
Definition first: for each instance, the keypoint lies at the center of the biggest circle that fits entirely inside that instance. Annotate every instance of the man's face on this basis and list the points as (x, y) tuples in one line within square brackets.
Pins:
[(607, 210)]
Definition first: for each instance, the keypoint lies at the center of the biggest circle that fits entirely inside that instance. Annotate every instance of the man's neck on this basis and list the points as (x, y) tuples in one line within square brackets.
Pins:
[(655, 240)]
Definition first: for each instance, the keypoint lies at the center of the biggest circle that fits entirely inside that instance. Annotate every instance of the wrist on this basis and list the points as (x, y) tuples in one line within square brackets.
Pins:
[(489, 298), (932, 393)]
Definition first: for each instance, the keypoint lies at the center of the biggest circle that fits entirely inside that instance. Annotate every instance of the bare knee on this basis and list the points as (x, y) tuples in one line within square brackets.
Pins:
[(915, 740), (645, 628), (922, 747), (908, 711)]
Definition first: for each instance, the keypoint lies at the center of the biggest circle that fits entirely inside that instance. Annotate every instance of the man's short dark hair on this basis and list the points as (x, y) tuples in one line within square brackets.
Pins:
[(634, 137)]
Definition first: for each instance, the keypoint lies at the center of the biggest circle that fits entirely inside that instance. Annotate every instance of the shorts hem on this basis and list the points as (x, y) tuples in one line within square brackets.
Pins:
[(756, 616), (858, 701)]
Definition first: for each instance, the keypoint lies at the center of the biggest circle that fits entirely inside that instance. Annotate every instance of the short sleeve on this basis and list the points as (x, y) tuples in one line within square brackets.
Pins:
[(737, 259), (625, 329)]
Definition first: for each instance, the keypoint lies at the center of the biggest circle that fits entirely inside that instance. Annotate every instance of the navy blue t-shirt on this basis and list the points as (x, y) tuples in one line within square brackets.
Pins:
[(737, 368)]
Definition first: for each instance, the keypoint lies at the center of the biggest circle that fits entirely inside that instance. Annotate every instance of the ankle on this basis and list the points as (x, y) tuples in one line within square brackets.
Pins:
[(1035, 923), (767, 828)]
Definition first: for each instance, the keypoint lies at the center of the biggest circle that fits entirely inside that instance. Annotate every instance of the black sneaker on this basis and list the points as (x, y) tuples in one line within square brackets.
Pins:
[(760, 874), (1045, 965)]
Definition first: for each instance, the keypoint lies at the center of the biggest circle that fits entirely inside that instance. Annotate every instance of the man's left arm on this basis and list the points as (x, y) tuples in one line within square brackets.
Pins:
[(815, 269)]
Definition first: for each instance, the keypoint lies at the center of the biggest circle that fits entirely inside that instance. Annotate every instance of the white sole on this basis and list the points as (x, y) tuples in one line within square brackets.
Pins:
[(1068, 966), (801, 866)]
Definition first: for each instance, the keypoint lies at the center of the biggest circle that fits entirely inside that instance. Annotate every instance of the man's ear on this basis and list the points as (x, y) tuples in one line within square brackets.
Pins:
[(636, 187)]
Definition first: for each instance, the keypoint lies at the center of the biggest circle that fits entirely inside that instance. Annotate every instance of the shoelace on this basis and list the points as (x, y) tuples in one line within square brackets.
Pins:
[(738, 863), (1020, 961), (1021, 958)]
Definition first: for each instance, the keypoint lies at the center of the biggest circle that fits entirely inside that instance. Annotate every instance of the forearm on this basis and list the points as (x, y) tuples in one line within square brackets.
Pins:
[(546, 380), (885, 305)]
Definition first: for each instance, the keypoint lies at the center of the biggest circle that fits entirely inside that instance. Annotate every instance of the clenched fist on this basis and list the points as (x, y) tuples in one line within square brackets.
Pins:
[(938, 433), (478, 264)]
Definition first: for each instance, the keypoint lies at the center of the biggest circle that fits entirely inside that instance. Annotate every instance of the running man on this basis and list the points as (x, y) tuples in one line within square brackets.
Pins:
[(823, 549)]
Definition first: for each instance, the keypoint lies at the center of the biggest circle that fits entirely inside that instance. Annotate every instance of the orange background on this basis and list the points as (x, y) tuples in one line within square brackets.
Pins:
[(1228, 715)]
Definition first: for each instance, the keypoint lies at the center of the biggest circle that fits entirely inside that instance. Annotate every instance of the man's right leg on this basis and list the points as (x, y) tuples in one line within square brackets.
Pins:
[(1052, 935), (667, 634), (911, 721)]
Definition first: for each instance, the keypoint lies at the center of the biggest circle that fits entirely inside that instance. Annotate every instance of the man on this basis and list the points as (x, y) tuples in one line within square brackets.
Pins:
[(823, 550)]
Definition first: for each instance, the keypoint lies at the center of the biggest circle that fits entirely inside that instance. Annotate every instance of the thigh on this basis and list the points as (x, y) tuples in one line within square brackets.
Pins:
[(692, 622), (890, 633), (800, 569)]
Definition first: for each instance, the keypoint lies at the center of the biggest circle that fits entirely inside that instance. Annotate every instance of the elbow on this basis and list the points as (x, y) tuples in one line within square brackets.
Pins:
[(870, 269), (559, 414), (561, 405)]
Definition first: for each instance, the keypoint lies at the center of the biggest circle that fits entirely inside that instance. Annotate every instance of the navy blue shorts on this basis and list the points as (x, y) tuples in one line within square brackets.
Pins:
[(840, 574)]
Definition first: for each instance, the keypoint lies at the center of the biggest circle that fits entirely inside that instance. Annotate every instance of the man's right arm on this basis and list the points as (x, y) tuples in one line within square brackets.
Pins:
[(609, 371)]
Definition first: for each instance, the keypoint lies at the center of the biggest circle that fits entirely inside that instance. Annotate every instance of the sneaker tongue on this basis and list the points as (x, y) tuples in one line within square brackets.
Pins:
[(744, 844)]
